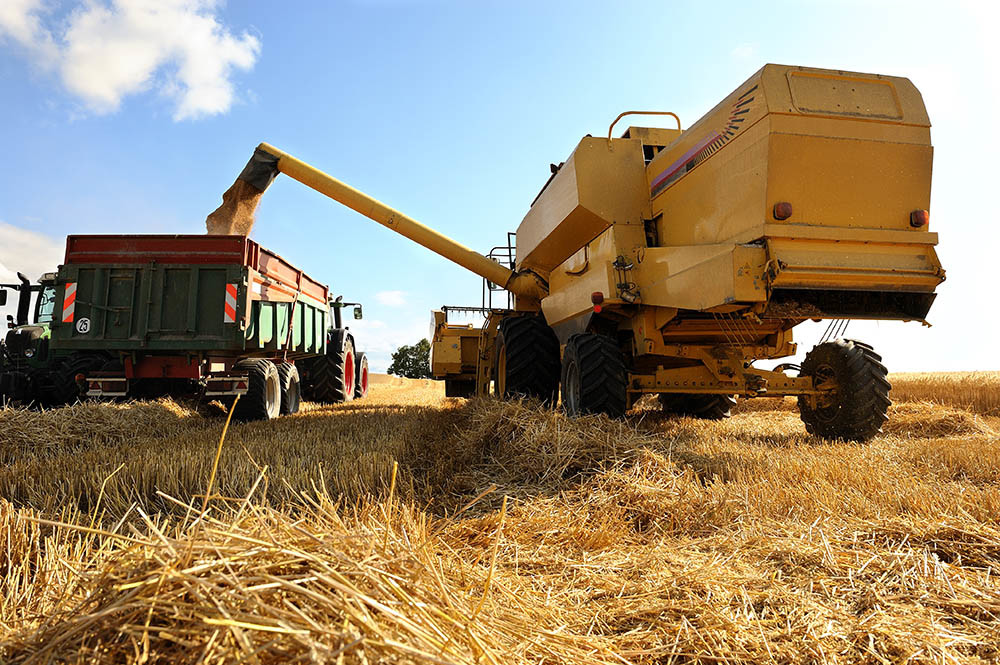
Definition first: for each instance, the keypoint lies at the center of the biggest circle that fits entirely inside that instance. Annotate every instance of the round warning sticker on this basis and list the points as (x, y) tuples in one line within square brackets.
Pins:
[(83, 325)]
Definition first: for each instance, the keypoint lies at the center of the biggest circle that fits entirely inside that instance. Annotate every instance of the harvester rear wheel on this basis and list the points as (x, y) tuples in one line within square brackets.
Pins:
[(291, 388), (361, 376), (856, 408), (594, 379), (331, 377), (527, 359), (706, 407), (262, 400)]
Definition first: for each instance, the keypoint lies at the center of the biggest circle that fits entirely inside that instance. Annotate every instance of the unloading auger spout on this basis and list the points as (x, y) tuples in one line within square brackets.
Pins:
[(268, 161)]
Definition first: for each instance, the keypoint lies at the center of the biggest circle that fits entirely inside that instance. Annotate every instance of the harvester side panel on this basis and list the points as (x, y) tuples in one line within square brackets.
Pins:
[(600, 184)]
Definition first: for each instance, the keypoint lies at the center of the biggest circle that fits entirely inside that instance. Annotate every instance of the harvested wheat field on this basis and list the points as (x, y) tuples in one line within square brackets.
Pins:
[(411, 528)]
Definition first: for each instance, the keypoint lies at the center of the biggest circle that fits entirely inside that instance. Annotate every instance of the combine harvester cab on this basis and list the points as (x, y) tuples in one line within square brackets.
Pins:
[(669, 262), (144, 315)]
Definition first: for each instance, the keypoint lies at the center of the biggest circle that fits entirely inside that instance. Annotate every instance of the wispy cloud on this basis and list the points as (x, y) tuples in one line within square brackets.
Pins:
[(106, 51), (744, 52), (391, 298)]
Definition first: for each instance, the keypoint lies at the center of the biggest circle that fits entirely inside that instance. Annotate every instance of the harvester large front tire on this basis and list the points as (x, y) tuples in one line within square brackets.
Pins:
[(262, 400), (704, 406), (856, 408), (526, 362), (331, 377), (291, 388), (594, 378)]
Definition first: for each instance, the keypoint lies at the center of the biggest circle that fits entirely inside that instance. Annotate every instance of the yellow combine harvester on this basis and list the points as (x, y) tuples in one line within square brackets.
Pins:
[(669, 262)]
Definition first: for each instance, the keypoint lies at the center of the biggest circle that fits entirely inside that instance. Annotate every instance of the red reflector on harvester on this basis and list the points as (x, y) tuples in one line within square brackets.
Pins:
[(242, 385), (919, 218)]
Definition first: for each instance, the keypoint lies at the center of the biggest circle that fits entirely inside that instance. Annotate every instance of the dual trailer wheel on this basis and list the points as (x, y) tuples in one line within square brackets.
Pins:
[(277, 389), (594, 379), (273, 390)]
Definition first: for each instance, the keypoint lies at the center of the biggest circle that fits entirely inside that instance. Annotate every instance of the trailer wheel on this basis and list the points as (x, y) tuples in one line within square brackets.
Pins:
[(856, 408), (263, 398), (291, 388), (594, 379), (64, 388), (526, 360), (361, 376), (706, 407), (331, 377)]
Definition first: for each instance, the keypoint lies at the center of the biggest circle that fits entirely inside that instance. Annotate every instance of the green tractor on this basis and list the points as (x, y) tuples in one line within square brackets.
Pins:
[(31, 372)]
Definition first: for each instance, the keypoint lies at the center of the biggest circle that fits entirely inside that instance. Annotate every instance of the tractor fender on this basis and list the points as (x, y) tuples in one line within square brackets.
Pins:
[(335, 343)]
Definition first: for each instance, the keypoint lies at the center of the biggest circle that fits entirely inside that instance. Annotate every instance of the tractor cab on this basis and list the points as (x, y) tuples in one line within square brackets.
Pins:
[(25, 345)]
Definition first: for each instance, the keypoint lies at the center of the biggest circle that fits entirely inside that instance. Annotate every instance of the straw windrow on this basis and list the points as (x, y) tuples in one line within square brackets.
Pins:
[(511, 535)]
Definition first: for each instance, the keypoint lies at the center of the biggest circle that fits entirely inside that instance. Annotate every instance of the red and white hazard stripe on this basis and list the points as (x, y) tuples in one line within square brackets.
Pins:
[(230, 303), (69, 302)]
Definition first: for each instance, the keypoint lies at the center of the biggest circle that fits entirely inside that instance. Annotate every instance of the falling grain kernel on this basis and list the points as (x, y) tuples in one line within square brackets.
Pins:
[(238, 210)]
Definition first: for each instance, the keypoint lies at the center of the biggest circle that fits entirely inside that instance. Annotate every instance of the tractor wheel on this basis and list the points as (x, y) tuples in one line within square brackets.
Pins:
[(856, 407), (263, 398), (361, 376), (291, 388), (526, 360), (706, 407), (64, 388), (331, 377), (594, 379)]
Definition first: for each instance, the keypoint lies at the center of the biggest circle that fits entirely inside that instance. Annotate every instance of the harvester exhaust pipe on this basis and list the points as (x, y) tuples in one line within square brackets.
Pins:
[(268, 161)]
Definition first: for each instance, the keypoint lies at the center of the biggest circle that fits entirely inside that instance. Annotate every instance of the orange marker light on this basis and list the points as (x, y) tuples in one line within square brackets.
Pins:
[(919, 218), (782, 210)]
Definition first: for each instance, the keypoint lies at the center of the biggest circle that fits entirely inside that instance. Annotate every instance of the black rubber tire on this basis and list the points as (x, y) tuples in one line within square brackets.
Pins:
[(360, 375), (64, 389), (858, 408), (328, 382), (704, 406), (262, 400), (594, 378), (291, 388), (527, 352)]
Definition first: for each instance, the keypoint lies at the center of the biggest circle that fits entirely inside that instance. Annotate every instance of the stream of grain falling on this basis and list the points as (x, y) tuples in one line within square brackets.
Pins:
[(238, 210)]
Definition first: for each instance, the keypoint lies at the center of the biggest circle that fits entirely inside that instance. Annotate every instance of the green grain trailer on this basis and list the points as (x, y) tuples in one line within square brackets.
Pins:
[(155, 314)]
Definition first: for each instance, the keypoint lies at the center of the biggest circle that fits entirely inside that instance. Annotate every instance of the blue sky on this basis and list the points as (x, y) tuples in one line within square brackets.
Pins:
[(117, 122)]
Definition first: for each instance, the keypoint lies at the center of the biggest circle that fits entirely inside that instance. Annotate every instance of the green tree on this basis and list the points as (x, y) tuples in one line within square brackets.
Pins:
[(413, 362)]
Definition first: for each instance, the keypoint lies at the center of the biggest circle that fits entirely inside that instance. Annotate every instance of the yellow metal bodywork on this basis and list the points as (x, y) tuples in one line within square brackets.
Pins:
[(600, 184), (454, 348), (850, 152)]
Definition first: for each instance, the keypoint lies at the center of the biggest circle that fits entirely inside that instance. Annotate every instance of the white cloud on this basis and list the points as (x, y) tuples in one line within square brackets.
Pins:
[(378, 339), (106, 50), (391, 298), (27, 252), (744, 51)]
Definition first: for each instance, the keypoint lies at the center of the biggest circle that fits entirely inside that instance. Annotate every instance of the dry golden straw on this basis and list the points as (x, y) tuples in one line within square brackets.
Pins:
[(412, 528)]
